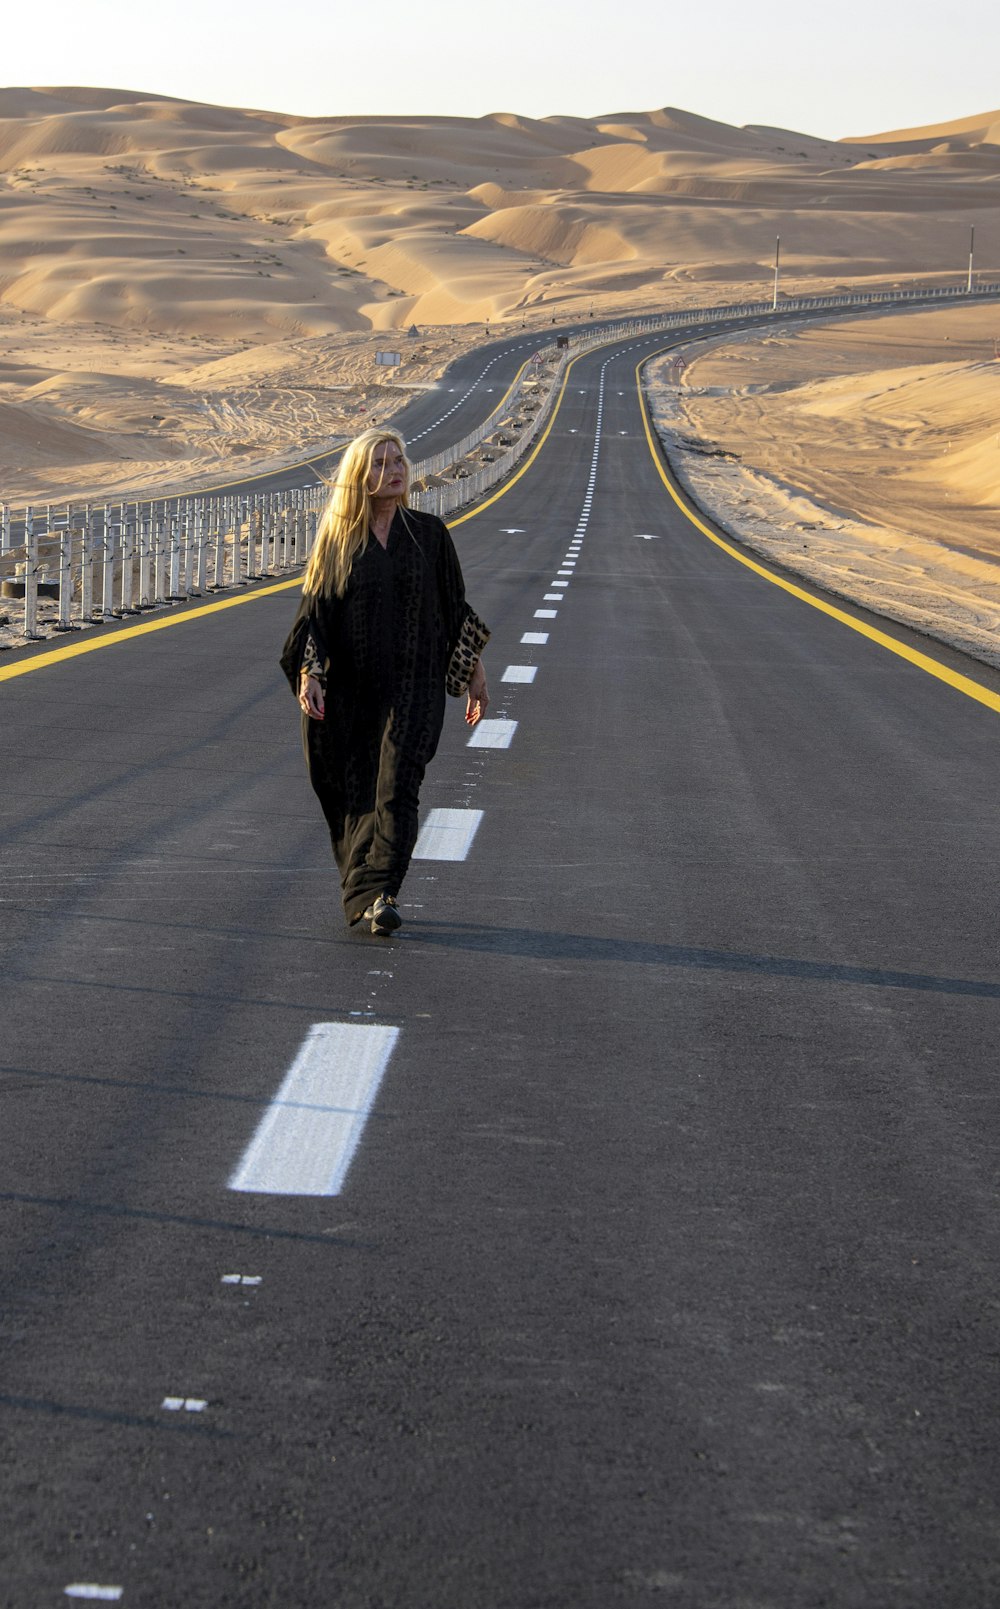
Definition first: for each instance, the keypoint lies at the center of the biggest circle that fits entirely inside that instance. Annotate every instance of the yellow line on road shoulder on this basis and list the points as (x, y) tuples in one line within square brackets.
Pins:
[(473, 513), (111, 639), (924, 662)]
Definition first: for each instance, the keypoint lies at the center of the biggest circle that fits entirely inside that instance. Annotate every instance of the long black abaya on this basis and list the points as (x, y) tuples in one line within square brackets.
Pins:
[(385, 647)]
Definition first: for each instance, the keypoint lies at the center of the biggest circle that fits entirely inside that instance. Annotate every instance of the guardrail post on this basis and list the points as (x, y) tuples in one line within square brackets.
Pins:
[(30, 577), (252, 523), (201, 546), (86, 569), (278, 531), (4, 528), (217, 530), (63, 618), (175, 594), (108, 565), (291, 530), (161, 542), (266, 501), (128, 549), (187, 550), (266, 545), (144, 530), (300, 528), (236, 551)]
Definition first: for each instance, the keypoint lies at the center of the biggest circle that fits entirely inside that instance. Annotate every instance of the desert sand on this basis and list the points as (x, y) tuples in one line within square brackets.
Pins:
[(863, 454), (187, 288)]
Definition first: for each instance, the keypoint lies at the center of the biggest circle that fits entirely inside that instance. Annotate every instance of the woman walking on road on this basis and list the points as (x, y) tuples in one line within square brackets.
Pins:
[(382, 623)]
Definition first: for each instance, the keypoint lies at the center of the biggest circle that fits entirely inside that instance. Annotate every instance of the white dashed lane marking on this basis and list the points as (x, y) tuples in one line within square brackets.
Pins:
[(492, 734), (546, 614), (306, 1139), (535, 637), (519, 673), (447, 834), (89, 1589)]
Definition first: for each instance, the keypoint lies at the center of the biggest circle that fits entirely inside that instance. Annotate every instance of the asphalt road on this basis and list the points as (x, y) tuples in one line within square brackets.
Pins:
[(666, 1269)]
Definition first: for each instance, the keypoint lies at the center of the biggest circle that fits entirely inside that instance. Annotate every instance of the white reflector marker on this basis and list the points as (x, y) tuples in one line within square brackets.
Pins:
[(306, 1139), (447, 834), (498, 734), (520, 673)]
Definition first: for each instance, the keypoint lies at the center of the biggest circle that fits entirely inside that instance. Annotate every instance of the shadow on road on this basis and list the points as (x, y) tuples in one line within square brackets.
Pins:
[(582, 947)]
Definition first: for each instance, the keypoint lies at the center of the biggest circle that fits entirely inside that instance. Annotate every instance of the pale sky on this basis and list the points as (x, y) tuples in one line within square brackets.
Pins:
[(828, 70)]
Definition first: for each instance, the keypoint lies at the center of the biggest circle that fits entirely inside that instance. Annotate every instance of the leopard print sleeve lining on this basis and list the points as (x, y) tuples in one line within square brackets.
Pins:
[(312, 664)]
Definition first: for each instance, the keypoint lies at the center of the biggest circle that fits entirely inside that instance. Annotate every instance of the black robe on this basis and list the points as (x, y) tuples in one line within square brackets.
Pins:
[(385, 647)]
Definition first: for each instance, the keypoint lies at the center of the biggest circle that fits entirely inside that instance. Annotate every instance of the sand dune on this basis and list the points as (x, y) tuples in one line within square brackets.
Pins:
[(142, 235), (215, 217)]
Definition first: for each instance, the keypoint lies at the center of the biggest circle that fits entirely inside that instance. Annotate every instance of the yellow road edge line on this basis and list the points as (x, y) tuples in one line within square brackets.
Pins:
[(924, 662), (112, 639), (474, 512)]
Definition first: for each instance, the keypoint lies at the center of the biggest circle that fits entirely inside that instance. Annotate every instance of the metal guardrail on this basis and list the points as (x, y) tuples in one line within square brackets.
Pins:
[(126, 558), (115, 559)]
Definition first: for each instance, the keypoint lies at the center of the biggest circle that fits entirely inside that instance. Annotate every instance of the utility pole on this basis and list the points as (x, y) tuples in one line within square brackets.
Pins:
[(777, 260)]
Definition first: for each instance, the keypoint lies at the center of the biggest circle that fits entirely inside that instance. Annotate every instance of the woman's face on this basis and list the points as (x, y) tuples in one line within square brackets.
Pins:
[(387, 477)]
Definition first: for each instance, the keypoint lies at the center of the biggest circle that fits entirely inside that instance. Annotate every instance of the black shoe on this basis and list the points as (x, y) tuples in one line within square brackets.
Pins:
[(383, 915)]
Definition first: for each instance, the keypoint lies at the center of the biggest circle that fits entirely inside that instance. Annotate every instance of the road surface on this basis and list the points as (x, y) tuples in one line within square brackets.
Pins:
[(664, 1267)]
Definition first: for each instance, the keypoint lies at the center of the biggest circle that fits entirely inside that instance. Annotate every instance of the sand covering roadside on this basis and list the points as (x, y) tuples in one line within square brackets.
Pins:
[(863, 454)]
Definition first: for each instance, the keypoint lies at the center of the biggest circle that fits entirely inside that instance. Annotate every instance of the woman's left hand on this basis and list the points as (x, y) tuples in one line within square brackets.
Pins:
[(478, 695)]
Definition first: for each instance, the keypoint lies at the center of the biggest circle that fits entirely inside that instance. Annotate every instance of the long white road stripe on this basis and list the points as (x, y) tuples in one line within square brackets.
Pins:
[(306, 1139), (447, 834), (498, 734)]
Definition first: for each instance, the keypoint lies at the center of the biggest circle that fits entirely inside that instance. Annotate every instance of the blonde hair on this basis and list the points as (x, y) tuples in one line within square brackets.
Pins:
[(342, 532)]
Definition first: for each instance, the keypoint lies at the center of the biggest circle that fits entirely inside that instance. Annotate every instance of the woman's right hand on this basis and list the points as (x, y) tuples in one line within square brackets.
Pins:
[(311, 697)]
